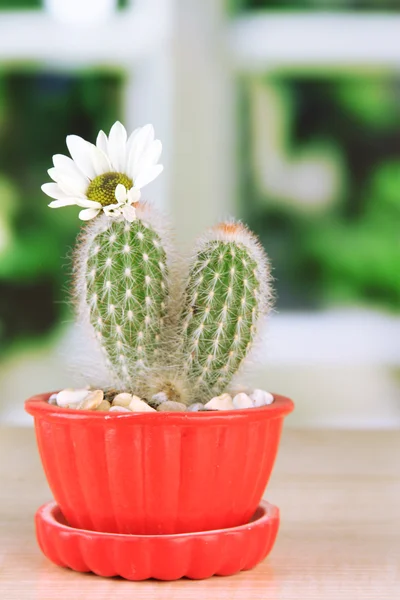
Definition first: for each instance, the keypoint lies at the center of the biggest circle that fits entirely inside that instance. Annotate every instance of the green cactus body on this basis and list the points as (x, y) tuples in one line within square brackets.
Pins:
[(163, 339), (223, 302), (126, 287)]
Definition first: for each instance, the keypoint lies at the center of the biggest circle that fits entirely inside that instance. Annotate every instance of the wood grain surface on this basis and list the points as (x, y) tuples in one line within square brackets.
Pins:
[(339, 495)]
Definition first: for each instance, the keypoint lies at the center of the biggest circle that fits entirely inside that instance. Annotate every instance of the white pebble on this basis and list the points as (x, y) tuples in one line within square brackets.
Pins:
[(138, 405), (242, 400), (159, 398), (53, 399), (70, 397), (171, 406), (104, 406), (123, 399), (92, 400), (261, 398), (223, 402), (196, 407), (117, 408)]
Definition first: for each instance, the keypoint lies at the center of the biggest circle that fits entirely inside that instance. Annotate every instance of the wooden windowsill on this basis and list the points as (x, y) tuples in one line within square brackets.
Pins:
[(339, 538)]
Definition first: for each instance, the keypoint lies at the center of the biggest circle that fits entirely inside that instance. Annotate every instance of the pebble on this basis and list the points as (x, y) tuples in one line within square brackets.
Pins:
[(71, 398), (86, 399), (138, 405), (223, 402), (242, 400), (92, 400), (105, 405), (53, 399), (196, 407), (123, 399), (159, 398), (170, 405), (117, 408), (261, 398)]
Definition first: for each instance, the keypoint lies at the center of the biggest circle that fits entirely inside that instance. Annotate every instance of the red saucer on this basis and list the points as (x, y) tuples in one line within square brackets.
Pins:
[(136, 557)]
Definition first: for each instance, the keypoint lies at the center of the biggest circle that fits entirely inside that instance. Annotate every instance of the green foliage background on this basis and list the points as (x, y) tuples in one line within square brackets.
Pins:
[(349, 252), (37, 111), (36, 4), (312, 5)]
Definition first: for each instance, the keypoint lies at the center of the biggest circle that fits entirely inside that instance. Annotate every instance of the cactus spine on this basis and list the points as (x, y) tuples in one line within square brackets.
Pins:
[(157, 340), (227, 292), (124, 278)]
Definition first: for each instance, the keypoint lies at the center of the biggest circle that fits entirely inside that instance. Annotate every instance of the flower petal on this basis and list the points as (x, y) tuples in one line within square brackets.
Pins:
[(133, 195), (117, 147), (53, 174), (131, 139), (111, 210), (65, 184), (129, 213), (120, 193), (143, 139), (85, 203), (69, 175), (148, 159), (102, 142), (100, 160), (54, 191), (81, 153), (88, 213), (60, 203), (147, 176), (154, 152)]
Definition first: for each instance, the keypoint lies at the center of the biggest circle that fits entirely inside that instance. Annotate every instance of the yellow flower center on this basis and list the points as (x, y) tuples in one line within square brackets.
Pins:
[(102, 188)]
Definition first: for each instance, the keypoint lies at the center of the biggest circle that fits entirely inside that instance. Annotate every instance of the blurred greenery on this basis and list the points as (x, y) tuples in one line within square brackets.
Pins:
[(19, 4), (348, 251), (37, 4), (37, 111), (362, 259), (376, 107), (333, 5)]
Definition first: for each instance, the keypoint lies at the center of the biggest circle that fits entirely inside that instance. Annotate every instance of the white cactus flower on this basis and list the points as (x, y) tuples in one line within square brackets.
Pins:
[(116, 168), (124, 206)]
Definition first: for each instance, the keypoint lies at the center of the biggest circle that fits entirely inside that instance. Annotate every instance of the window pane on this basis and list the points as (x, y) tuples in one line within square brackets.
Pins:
[(338, 5), (37, 111), (320, 183), (18, 4), (35, 4)]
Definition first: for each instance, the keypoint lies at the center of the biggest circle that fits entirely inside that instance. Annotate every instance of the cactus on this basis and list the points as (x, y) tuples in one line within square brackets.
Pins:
[(191, 346), (123, 283), (228, 290)]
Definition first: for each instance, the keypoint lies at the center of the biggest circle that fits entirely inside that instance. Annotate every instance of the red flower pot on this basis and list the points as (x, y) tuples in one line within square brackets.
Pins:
[(157, 473)]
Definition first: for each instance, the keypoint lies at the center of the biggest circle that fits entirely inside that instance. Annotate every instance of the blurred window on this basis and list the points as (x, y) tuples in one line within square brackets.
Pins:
[(37, 110), (313, 5), (320, 182), (37, 4)]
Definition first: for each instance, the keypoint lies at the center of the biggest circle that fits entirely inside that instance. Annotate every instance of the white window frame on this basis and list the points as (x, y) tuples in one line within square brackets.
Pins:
[(135, 41), (181, 68)]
